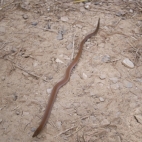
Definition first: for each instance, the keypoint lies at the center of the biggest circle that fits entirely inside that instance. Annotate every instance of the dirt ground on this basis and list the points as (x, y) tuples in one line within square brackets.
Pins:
[(102, 102)]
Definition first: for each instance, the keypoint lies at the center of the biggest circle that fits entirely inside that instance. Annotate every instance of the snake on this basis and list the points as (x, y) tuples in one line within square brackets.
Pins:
[(62, 82)]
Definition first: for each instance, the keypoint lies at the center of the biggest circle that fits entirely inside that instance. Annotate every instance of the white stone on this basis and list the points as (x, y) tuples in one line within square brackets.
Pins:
[(64, 18), (114, 79), (59, 61), (49, 90), (101, 45), (87, 5), (105, 122), (127, 84), (102, 99), (126, 62), (84, 76), (115, 86), (35, 64), (102, 76)]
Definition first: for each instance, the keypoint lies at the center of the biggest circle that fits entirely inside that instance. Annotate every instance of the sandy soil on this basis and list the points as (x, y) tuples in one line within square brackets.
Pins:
[(102, 102)]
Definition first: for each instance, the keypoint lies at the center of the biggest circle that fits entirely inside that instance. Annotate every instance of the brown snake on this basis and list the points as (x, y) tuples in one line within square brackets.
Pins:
[(63, 82)]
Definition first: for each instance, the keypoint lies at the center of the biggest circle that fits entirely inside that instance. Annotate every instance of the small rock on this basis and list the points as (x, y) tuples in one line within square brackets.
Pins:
[(84, 76), (138, 118), (101, 45), (118, 139), (87, 5), (97, 3), (115, 86), (15, 97), (93, 94), (0, 120), (35, 64), (114, 79), (126, 62), (120, 13), (69, 46), (139, 80), (102, 76), (131, 10), (33, 129), (49, 90), (66, 57), (58, 61), (93, 118), (105, 122), (2, 78), (79, 26), (2, 29), (106, 58), (58, 124), (127, 84), (13, 50), (34, 23), (102, 99), (60, 36), (25, 74), (25, 16), (50, 76), (64, 18), (17, 112), (26, 113)]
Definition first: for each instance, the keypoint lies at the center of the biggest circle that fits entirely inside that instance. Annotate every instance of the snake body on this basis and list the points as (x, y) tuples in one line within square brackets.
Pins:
[(63, 82)]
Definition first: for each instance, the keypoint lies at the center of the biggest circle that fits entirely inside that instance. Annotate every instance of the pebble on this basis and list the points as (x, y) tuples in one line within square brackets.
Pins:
[(33, 129), (26, 113), (114, 79), (105, 122), (126, 62), (131, 10), (102, 76), (97, 3), (138, 118), (93, 94), (79, 26), (106, 58), (0, 120), (25, 74), (101, 45), (2, 29), (84, 76), (35, 64), (102, 99), (60, 36), (25, 16), (120, 13), (15, 97), (58, 61), (127, 84), (50, 76), (17, 112), (58, 124), (49, 90), (13, 50), (87, 5), (64, 19), (2, 78), (70, 46), (34, 23), (115, 86), (139, 80)]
